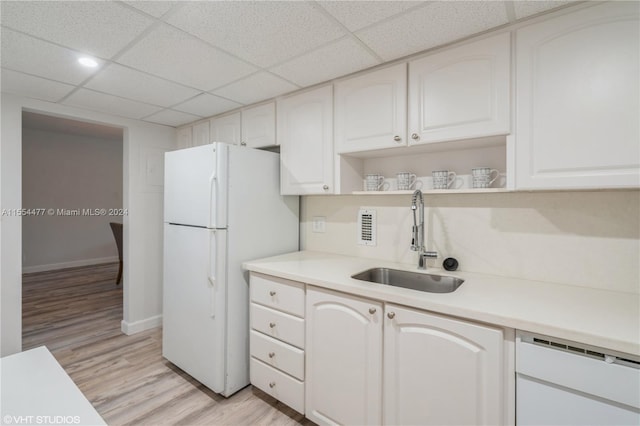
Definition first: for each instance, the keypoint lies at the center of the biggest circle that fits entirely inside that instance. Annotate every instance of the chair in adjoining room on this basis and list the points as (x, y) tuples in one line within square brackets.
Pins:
[(117, 234)]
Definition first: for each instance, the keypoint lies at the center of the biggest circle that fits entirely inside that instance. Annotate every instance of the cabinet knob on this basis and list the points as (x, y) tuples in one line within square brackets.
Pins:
[(397, 138), (372, 311), (272, 293), (243, 143), (325, 187), (415, 136), (272, 384), (272, 324), (391, 315), (272, 354)]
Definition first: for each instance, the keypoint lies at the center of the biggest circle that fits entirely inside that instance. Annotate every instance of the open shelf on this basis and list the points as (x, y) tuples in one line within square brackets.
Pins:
[(436, 191)]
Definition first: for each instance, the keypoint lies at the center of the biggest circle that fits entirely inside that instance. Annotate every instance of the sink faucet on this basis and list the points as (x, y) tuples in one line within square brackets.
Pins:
[(417, 241)]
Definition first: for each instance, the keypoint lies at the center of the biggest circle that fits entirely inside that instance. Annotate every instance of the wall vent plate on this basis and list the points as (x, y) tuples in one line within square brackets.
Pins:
[(367, 227)]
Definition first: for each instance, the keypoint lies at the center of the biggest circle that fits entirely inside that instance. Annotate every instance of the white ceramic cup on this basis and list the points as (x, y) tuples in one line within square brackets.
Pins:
[(443, 179), (374, 182), (406, 180), (483, 177)]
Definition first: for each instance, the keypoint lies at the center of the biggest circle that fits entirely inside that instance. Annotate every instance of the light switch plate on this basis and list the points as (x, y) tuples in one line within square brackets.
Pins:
[(318, 224)]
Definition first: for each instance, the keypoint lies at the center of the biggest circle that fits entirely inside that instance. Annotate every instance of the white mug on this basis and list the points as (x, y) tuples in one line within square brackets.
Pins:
[(374, 182), (483, 177), (406, 180), (442, 179)]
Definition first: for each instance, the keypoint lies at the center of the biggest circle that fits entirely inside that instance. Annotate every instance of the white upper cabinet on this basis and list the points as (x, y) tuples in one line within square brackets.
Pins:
[(201, 133), (184, 135), (259, 126), (578, 107), (305, 132), (371, 110), (462, 92), (440, 370), (226, 129)]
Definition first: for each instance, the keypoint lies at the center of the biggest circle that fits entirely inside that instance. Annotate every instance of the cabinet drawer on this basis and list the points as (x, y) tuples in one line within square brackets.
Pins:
[(278, 325), (277, 354), (278, 293), (277, 384)]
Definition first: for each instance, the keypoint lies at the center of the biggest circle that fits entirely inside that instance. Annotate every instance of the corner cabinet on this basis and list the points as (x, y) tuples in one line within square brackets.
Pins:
[(456, 367), (371, 110), (344, 356), (462, 92), (578, 99), (305, 132)]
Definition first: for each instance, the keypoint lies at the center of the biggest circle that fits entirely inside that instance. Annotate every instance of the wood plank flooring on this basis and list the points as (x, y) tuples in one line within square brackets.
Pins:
[(76, 313)]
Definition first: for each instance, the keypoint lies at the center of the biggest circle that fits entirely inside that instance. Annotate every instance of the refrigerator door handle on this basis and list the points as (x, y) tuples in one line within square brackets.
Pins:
[(212, 285), (211, 273), (213, 181)]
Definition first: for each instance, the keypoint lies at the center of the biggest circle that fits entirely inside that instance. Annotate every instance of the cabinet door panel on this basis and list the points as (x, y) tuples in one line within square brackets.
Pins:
[(454, 366), (201, 134), (305, 129), (226, 129), (461, 93), (259, 126), (371, 110), (578, 103), (343, 349)]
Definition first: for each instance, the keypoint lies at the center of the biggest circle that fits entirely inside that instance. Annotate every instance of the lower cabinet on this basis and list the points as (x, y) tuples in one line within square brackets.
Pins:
[(365, 362), (441, 371), (344, 356)]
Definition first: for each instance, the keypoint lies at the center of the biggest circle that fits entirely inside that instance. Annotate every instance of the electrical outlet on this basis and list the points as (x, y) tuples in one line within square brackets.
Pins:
[(318, 224)]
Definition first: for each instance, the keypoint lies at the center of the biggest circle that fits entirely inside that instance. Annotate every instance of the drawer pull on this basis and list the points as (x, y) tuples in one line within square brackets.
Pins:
[(272, 354), (272, 384), (372, 311), (272, 293), (272, 324), (391, 315)]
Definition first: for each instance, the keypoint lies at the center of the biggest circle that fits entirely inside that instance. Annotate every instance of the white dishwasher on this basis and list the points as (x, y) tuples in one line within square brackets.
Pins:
[(564, 383)]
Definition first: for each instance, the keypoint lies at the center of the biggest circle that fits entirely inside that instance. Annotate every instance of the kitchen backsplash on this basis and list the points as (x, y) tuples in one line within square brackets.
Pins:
[(589, 239)]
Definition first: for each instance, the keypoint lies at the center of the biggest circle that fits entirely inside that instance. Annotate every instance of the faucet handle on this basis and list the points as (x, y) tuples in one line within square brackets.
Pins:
[(422, 260)]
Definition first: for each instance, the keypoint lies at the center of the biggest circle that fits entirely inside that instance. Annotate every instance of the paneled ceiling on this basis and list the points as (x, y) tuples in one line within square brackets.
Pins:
[(176, 62)]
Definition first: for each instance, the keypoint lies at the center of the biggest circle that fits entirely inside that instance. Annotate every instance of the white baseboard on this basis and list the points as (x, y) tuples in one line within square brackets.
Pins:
[(129, 328), (72, 264)]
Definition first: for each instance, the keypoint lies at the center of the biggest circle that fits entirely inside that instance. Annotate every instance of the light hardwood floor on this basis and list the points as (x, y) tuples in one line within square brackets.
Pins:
[(76, 313)]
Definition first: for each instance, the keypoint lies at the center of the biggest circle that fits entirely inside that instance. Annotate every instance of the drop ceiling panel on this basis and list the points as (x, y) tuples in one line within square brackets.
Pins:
[(37, 57), (100, 28), (85, 98), (138, 86), (359, 14), (170, 53), (153, 8), (524, 8), (255, 88), (346, 55), (172, 118), (33, 87), (261, 32), (206, 105), (432, 25)]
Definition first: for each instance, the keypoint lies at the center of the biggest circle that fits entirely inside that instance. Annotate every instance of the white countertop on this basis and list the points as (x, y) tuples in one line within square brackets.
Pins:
[(607, 319), (37, 391)]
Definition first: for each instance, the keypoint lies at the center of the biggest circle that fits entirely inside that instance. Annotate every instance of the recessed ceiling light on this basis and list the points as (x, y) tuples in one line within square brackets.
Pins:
[(88, 62)]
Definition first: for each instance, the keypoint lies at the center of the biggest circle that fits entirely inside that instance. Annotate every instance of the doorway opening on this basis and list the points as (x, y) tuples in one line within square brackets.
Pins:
[(72, 189)]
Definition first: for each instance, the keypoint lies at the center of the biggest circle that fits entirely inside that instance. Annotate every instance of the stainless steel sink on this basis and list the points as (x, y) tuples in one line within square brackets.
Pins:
[(413, 280)]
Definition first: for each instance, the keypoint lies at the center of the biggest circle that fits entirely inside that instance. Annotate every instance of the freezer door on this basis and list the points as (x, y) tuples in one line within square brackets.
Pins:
[(195, 182), (194, 317)]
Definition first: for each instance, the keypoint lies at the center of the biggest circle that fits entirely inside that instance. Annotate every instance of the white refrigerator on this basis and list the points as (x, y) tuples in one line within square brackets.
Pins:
[(222, 206)]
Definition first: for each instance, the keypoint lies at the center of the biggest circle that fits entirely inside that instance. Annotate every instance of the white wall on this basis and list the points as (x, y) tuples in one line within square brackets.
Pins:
[(62, 171), (143, 153), (589, 239)]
